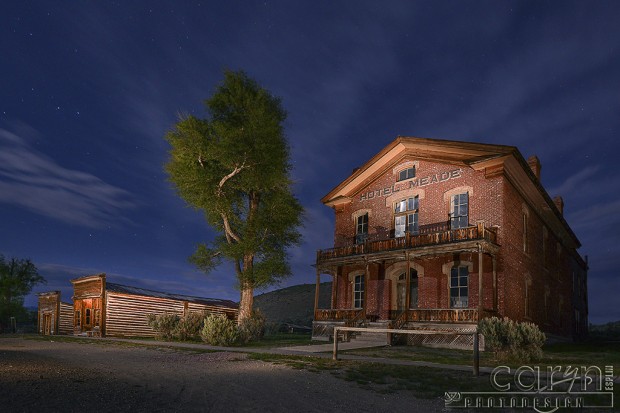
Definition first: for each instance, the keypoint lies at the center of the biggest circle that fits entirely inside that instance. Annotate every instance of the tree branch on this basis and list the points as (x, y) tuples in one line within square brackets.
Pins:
[(230, 175), (228, 230)]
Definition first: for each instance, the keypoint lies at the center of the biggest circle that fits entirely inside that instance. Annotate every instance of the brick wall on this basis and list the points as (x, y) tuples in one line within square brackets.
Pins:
[(545, 268)]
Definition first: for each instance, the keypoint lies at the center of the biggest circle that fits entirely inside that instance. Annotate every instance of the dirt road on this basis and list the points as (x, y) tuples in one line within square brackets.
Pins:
[(49, 376)]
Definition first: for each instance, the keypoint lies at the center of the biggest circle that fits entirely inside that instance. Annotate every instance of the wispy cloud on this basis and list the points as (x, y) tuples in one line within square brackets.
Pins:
[(58, 277), (31, 180)]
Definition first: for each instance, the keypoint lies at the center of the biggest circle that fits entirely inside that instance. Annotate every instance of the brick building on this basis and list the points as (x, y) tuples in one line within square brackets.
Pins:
[(437, 233)]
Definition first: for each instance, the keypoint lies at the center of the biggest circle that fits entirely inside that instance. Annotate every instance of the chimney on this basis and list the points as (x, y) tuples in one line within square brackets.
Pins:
[(559, 204), (534, 164)]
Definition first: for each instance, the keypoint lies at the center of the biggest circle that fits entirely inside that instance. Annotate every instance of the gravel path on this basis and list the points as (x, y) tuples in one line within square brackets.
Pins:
[(49, 376)]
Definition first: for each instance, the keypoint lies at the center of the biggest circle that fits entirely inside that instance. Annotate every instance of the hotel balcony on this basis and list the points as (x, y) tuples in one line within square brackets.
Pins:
[(429, 240)]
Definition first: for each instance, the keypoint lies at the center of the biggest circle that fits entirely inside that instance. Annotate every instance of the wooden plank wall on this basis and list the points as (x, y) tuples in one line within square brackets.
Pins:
[(127, 315), (228, 312), (90, 288), (66, 319)]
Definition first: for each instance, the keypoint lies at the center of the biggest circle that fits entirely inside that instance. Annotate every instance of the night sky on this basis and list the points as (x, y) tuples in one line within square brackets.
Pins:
[(89, 89)]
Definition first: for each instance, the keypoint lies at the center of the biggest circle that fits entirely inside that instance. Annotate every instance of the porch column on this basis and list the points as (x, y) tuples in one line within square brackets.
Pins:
[(335, 289), (494, 283), (316, 291), (366, 276), (480, 258), (408, 283)]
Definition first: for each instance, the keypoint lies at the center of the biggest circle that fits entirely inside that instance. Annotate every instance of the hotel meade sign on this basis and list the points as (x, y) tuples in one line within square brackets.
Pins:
[(412, 183)]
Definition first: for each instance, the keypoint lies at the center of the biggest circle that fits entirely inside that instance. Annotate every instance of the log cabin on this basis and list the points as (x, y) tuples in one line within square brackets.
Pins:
[(54, 316), (101, 308), (436, 234)]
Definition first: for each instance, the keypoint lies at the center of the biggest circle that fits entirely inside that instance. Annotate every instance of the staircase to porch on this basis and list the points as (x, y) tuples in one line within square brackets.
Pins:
[(369, 338)]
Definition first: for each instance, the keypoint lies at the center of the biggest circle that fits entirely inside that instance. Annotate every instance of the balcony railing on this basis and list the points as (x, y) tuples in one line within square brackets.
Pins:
[(433, 234)]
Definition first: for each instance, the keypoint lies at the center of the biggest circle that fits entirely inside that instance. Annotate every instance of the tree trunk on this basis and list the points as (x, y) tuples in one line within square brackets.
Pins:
[(246, 303), (247, 289)]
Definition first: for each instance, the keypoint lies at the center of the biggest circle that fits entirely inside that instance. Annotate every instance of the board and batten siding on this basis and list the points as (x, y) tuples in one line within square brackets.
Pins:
[(65, 325), (127, 315), (211, 309)]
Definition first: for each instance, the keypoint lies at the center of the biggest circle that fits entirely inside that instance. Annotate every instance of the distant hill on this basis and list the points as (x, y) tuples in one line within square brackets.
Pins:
[(606, 331), (293, 305)]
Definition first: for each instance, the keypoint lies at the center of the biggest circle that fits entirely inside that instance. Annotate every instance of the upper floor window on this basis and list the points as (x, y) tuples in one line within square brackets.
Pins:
[(459, 215), (361, 231), (406, 216), (406, 174)]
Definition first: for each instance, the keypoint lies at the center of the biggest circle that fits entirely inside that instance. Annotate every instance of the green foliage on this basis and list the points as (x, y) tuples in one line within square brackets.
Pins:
[(609, 331), (234, 166), (510, 340), (218, 330), (252, 328), (164, 325), (17, 278), (189, 326)]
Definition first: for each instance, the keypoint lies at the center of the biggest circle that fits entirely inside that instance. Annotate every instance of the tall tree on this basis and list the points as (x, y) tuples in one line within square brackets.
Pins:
[(17, 278), (234, 165)]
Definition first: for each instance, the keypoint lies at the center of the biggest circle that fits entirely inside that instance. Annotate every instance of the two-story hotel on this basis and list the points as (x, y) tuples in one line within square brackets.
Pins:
[(444, 233)]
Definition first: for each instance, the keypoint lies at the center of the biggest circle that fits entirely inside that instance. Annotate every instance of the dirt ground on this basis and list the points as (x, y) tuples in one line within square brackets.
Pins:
[(52, 376)]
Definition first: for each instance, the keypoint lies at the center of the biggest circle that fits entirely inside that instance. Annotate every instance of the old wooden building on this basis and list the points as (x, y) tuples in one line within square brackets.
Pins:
[(54, 316), (442, 233), (101, 308)]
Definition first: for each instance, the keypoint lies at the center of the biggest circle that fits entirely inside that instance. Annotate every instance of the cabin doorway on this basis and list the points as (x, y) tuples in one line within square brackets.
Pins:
[(47, 324)]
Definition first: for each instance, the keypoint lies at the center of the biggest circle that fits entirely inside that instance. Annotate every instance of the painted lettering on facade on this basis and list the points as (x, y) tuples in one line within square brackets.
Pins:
[(412, 183)]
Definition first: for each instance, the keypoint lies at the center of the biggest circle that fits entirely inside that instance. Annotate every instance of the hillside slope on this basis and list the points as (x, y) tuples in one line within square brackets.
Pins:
[(293, 305)]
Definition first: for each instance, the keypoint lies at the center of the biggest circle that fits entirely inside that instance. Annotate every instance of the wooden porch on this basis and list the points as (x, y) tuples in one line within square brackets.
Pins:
[(431, 241)]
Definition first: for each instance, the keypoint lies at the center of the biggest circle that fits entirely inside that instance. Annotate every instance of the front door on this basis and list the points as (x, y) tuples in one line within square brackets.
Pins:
[(401, 298), (47, 324)]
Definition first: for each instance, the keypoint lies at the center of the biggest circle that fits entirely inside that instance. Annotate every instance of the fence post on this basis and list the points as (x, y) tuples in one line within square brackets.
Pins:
[(476, 354), (335, 353)]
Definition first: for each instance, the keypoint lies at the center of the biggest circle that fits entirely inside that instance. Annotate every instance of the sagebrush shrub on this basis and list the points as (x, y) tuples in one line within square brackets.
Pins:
[(509, 340), (189, 326), (252, 328), (218, 330), (163, 324)]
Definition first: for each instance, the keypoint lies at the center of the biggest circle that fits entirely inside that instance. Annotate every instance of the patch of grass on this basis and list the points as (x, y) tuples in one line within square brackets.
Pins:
[(426, 354), (384, 378), (283, 340), (584, 353), (588, 353)]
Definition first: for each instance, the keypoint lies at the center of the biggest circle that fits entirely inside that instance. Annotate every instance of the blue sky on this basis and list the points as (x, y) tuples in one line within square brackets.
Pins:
[(89, 89)]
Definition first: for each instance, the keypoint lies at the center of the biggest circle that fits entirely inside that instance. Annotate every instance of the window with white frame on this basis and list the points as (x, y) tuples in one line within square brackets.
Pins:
[(358, 291), (406, 216), (459, 211), (406, 174), (459, 293), (361, 231)]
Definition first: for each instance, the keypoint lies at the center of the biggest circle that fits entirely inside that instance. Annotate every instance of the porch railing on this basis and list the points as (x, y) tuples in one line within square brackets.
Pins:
[(339, 314), (401, 317), (433, 234), (440, 315)]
